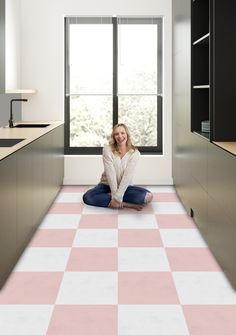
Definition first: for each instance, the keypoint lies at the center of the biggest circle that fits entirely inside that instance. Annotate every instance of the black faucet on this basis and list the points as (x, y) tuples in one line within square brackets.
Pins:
[(11, 115)]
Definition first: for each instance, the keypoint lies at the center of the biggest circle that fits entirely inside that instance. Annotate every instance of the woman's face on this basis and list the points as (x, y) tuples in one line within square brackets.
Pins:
[(120, 136)]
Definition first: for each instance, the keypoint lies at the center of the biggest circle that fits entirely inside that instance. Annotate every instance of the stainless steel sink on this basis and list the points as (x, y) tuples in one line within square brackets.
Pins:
[(31, 125), (10, 142)]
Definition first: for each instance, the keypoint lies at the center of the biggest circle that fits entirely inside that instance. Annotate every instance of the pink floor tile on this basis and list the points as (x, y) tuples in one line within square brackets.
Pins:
[(191, 259), (66, 208), (98, 221), (71, 188), (31, 288), (84, 320), (165, 197), (139, 238), (211, 320), (175, 221), (140, 288), (93, 259), (53, 238), (146, 288)]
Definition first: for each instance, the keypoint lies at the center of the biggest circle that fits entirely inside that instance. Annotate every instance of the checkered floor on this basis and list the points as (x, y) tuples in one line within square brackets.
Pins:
[(95, 271)]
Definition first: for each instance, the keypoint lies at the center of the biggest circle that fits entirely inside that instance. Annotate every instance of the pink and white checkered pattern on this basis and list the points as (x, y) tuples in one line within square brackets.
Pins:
[(96, 271)]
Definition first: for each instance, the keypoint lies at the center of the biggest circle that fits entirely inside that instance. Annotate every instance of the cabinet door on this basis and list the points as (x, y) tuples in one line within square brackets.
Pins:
[(198, 160), (8, 216), (221, 238), (198, 200), (52, 165), (37, 170), (181, 167), (198, 185), (223, 70), (222, 179), (25, 192), (58, 157), (47, 171)]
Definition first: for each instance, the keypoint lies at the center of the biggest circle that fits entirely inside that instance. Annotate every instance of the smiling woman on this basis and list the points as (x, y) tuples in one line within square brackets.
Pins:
[(115, 189)]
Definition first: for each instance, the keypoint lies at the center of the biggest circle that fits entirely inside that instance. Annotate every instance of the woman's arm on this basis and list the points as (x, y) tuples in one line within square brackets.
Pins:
[(109, 169), (127, 176)]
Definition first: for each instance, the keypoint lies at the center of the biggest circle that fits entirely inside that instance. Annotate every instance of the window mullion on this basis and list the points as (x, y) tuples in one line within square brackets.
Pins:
[(115, 70)]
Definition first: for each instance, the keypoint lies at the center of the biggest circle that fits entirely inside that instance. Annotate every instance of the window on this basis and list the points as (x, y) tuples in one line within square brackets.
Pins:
[(113, 71)]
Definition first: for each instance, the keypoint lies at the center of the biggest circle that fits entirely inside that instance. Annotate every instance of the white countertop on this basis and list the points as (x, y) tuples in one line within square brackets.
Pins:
[(29, 135)]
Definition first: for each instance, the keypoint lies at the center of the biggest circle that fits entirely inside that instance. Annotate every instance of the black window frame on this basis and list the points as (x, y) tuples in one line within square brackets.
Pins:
[(98, 150)]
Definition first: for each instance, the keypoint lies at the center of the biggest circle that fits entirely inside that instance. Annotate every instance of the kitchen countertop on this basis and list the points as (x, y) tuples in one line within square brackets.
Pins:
[(29, 135), (228, 146)]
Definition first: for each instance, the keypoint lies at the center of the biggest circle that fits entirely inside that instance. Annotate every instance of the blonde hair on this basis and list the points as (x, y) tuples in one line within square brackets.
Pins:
[(112, 141)]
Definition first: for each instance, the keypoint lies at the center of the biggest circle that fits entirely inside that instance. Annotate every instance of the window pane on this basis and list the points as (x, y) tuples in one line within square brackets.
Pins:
[(139, 113), (137, 58), (90, 120), (90, 60)]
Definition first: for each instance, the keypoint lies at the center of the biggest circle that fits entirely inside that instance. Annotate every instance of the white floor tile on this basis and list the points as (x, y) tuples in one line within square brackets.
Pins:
[(96, 238), (43, 259), (204, 288), (24, 319), (151, 320), (137, 221), (182, 238), (88, 288), (142, 259), (98, 210), (161, 189), (168, 208), (69, 197), (101, 288), (60, 221)]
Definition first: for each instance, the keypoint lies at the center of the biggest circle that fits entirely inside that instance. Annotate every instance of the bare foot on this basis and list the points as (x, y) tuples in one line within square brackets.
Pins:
[(115, 204), (133, 206), (148, 197)]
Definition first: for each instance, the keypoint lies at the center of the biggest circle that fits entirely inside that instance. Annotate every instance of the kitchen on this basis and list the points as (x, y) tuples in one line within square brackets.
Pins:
[(36, 67)]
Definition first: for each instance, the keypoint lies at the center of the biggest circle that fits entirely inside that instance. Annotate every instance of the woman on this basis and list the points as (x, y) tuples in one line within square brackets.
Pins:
[(120, 158)]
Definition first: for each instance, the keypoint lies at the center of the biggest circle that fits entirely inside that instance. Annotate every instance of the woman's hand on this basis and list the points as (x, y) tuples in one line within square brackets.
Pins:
[(115, 204)]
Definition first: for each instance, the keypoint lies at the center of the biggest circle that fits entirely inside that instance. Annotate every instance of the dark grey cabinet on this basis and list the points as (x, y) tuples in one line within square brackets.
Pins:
[(29, 181), (203, 173), (213, 69), (222, 179), (24, 187), (200, 66), (198, 185), (8, 227), (181, 100), (223, 71), (198, 159), (221, 238)]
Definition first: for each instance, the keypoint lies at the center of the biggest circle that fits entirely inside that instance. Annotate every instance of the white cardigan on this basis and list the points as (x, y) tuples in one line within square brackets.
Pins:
[(118, 172)]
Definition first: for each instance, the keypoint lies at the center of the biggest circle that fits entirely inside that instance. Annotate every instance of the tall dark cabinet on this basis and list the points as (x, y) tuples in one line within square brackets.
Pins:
[(213, 69), (200, 72), (204, 90)]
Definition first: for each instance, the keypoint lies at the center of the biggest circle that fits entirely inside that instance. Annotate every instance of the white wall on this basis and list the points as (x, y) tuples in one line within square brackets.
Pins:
[(13, 43), (43, 69)]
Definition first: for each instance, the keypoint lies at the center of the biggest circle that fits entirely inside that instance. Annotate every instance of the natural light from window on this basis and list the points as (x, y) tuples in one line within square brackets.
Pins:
[(91, 82)]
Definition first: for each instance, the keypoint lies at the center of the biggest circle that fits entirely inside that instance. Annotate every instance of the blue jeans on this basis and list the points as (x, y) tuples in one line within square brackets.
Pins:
[(100, 195)]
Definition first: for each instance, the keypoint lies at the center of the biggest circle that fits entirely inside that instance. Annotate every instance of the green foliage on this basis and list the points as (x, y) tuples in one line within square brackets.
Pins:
[(91, 115)]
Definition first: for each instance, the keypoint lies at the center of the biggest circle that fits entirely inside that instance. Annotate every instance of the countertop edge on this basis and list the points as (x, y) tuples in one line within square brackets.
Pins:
[(28, 134), (228, 146)]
